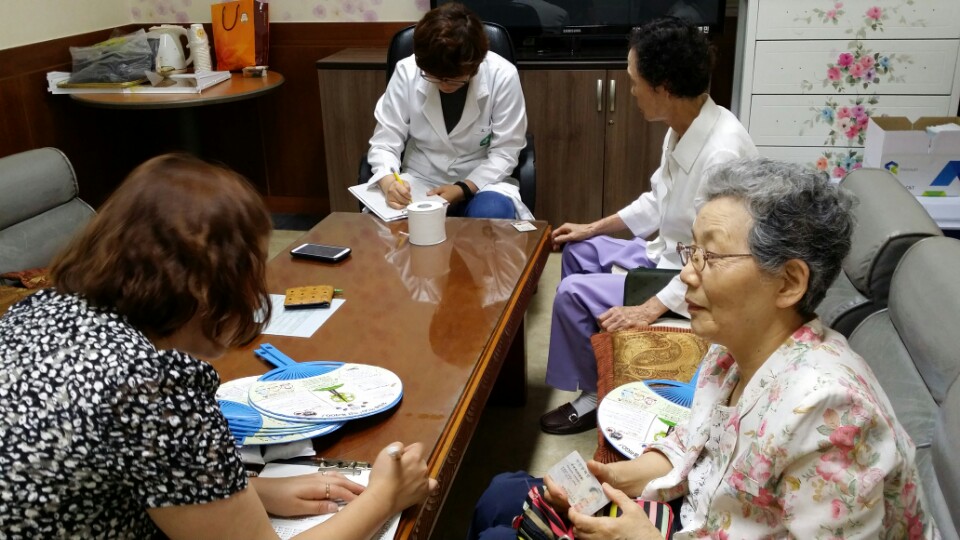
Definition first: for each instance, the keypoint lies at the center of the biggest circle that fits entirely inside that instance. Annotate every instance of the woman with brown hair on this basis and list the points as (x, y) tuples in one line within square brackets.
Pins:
[(110, 422), (454, 114)]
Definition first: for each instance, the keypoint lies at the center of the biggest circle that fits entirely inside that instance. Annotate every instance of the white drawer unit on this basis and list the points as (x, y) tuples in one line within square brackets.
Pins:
[(810, 73), (836, 120), (861, 66), (920, 19)]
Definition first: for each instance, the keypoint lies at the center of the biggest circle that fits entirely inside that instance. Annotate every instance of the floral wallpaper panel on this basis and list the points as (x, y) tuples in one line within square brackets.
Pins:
[(190, 11)]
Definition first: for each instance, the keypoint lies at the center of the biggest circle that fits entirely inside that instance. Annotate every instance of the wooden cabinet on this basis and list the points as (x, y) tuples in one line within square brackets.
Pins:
[(595, 152), (812, 72), (351, 82)]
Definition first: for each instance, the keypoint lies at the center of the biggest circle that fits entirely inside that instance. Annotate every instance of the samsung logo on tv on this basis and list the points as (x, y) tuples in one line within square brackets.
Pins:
[(572, 30)]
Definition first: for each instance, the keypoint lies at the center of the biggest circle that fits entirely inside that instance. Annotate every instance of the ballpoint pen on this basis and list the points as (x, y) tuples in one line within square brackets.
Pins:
[(397, 176)]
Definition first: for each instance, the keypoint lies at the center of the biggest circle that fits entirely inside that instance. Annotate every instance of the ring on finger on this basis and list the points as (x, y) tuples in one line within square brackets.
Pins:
[(327, 495)]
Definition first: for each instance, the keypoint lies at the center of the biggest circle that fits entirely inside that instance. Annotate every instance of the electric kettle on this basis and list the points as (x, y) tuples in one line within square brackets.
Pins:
[(170, 56)]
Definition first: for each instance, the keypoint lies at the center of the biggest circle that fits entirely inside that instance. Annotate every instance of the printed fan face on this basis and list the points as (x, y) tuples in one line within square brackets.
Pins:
[(632, 416), (249, 426), (350, 391)]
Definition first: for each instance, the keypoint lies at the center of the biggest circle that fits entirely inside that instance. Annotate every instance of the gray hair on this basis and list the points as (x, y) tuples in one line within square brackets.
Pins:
[(797, 214)]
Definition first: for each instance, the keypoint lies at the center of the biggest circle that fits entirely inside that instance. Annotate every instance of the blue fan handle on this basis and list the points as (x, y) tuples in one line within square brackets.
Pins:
[(665, 382), (273, 355)]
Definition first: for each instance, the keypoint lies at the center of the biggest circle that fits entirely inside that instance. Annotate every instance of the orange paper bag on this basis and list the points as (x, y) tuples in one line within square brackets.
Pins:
[(241, 34)]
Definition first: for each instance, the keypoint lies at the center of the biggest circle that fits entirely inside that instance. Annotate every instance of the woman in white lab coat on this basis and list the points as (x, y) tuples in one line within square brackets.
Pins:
[(456, 114)]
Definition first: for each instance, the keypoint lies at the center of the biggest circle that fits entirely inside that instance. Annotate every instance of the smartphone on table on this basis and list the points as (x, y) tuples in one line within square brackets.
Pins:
[(320, 252)]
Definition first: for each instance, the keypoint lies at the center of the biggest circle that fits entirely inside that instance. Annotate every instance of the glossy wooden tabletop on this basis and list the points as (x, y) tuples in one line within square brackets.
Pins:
[(235, 89), (441, 317)]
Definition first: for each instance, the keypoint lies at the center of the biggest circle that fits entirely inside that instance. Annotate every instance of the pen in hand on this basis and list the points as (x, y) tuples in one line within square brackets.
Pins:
[(399, 180)]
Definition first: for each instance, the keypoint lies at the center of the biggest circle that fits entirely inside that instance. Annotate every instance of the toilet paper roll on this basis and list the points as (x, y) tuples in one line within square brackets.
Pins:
[(426, 221)]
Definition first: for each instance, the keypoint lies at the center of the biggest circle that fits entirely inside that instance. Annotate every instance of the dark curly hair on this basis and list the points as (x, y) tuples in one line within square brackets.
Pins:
[(674, 54), (450, 42), (179, 238)]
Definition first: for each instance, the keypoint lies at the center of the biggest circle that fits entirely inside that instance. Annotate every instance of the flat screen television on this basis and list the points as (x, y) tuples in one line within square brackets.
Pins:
[(585, 28)]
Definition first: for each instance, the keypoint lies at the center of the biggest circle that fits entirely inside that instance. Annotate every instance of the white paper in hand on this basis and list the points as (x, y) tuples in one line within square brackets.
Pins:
[(371, 197), (584, 492)]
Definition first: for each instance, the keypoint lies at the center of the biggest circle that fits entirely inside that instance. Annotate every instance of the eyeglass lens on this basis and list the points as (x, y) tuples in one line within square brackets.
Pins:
[(437, 80), (694, 254)]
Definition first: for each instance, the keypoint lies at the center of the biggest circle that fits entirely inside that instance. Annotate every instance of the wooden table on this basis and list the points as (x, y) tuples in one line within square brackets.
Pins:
[(444, 318), (236, 89)]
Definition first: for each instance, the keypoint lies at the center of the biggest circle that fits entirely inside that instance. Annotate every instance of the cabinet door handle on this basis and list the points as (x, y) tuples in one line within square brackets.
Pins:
[(613, 94), (599, 95)]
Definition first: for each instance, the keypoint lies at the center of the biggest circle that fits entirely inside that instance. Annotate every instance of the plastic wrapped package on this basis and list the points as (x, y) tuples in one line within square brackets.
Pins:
[(117, 60)]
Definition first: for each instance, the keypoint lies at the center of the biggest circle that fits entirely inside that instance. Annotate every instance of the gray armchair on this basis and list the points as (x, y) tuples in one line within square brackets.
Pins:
[(945, 463), (912, 348), (39, 208), (889, 221)]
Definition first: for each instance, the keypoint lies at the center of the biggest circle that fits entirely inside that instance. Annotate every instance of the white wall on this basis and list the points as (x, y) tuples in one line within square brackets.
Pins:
[(31, 21)]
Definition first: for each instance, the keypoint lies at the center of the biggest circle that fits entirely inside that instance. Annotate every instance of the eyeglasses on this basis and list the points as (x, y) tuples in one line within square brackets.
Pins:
[(438, 80), (699, 256)]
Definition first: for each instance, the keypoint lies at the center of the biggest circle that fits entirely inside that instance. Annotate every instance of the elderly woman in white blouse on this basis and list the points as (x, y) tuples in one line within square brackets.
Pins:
[(790, 433)]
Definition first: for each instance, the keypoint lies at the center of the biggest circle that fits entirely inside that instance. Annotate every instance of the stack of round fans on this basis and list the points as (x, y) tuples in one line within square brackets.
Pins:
[(303, 400)]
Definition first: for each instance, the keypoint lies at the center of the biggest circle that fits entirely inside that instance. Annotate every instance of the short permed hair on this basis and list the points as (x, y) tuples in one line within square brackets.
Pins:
[(450, 42), (179, 238), (797, 214), (674, 54)]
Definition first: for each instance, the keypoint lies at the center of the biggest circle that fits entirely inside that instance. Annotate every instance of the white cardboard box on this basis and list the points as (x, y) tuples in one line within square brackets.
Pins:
[(926, 164)]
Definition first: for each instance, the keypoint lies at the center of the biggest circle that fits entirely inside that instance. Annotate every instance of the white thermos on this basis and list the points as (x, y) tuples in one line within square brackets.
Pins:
[(200, 48)]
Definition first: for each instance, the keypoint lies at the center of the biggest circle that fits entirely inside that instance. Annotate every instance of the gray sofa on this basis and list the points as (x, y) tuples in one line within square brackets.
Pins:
[(913, 346), (889, 221), (39, 208)]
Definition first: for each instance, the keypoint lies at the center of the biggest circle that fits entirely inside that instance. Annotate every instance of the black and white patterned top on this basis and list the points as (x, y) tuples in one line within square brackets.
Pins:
[(96, 425)]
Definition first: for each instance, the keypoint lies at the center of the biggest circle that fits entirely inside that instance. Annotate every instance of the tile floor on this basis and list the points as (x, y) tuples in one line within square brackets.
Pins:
[(507, 438)]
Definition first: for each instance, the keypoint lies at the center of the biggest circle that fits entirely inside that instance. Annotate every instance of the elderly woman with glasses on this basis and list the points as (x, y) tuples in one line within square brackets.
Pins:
[(790, 434), (454, 114)]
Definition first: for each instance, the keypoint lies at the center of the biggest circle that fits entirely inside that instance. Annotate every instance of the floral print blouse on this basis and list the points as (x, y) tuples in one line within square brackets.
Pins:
[(811, 450)]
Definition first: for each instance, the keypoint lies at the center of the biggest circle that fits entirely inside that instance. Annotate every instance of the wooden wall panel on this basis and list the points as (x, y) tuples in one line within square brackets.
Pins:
[(293, 124)]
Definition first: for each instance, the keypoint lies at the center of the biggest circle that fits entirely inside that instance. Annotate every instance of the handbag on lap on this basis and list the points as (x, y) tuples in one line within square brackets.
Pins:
[(539, 521)]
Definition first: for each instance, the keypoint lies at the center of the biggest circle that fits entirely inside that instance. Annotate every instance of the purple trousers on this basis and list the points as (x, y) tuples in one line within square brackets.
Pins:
[(587, 289)]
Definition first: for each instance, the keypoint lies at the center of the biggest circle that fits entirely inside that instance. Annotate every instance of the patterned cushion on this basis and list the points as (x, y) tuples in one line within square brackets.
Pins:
[(651, 352), (11, 295), (29, 281)]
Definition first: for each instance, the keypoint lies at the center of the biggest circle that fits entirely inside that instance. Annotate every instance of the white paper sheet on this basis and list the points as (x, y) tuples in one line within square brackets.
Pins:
[(288, 528), (374, 200), (298, 322)]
